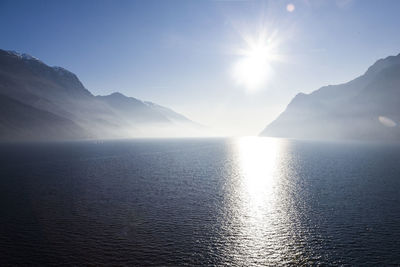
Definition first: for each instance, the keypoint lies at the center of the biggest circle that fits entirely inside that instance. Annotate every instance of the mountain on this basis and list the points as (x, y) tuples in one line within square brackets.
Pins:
[(170, 114), (20, 121), (132, 110), (39, 102), (366, 108)]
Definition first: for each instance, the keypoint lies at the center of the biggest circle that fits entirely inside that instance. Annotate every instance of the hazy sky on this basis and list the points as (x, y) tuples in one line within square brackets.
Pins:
[(231, 65)]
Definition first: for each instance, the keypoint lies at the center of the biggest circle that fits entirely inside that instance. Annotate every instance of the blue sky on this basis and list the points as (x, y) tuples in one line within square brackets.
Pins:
[(181, 53)]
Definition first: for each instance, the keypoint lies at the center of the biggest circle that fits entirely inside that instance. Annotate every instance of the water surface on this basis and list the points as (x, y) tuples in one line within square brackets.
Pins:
[(248, 201)]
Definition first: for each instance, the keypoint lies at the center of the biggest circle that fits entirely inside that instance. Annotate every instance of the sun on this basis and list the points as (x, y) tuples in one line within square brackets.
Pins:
[(253, 68)]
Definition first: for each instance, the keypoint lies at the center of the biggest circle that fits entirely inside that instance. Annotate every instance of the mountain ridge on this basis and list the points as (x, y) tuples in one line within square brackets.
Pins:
[(346, 111), (58, 91)]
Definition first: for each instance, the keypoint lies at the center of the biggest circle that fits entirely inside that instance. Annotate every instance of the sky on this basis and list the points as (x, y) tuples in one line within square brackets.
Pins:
[(231, 65)]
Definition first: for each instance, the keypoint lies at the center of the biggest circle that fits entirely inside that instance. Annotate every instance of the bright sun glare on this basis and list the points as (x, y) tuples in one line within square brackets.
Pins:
[(253, 69)]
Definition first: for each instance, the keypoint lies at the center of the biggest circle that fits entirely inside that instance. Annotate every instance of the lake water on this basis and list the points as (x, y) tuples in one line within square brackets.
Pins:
[(240, 202)]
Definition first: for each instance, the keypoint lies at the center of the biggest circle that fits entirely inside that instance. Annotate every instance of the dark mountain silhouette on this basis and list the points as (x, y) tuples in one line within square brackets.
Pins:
[(42, 102), (20, 121), (366, 108)]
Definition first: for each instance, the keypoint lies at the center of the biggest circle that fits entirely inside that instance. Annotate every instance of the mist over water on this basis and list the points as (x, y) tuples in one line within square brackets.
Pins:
[(246, 201)]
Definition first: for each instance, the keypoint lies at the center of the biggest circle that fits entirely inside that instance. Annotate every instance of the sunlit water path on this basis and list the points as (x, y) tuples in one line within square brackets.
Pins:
[(246, 201)]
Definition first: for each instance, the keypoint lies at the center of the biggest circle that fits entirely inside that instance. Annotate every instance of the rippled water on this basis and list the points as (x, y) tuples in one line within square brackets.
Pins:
[(249, 201)]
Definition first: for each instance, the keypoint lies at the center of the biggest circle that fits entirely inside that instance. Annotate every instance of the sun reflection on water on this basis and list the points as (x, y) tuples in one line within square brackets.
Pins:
[(258, 200), (257, 162)]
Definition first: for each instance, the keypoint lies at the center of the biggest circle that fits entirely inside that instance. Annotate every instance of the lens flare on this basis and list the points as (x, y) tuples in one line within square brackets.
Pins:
[(387, 121), (290, 7)]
